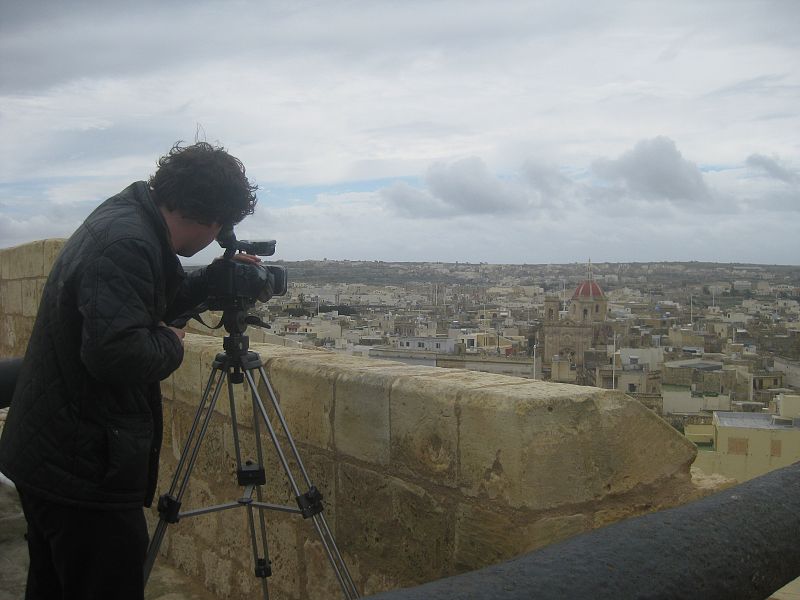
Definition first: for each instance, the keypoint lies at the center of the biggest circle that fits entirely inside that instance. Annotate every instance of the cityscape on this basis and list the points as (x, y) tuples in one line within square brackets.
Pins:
[(689, 340)]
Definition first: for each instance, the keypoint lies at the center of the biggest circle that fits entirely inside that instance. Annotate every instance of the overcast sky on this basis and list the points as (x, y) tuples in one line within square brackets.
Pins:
[(503, 131)]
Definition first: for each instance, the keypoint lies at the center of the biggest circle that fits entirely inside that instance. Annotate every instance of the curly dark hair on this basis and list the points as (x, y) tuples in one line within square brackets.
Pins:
[(204, 183)]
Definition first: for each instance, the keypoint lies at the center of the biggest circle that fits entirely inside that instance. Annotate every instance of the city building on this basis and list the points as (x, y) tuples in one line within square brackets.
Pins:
[(744, 445)]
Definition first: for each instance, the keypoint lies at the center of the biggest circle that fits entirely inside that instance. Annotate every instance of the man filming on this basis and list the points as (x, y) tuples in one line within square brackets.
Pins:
[(83, 434)]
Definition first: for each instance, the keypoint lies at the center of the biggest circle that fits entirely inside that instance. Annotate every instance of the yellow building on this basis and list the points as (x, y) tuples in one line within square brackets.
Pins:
[(746, 445)]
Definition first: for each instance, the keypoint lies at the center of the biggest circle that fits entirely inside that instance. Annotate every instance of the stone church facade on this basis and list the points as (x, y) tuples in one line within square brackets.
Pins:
[(571, 330)]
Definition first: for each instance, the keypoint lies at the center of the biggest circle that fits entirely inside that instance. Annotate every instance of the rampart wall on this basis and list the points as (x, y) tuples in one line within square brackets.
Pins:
[(426, 472)]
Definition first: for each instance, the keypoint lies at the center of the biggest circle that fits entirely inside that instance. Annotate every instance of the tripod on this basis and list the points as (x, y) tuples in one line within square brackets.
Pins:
[(236, 365)]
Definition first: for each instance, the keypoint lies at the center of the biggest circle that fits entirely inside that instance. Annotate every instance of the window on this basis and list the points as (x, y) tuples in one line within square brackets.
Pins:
[(631, 387), (738, 446), (420, 344), (775, 448)]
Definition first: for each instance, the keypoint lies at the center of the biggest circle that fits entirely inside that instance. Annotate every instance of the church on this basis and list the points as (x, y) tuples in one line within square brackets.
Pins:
[(573, 328)]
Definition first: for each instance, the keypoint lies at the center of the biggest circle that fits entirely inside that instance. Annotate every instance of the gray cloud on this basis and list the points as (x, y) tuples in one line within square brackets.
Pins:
[(772, 168), (547, 180), (468, 187), (412, 202), (655, 170), (465, 187)]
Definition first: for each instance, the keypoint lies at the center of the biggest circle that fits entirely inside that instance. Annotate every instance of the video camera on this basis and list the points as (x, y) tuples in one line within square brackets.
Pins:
[(234, 285)]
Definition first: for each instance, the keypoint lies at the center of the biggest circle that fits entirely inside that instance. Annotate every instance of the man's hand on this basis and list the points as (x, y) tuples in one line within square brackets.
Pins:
[(179, 332), (243, 257)]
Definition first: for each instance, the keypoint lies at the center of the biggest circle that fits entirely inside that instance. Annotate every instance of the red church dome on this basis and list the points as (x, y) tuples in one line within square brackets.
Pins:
[(588, 289)]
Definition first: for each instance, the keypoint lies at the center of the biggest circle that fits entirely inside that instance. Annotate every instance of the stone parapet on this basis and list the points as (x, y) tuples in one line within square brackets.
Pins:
[(426, 472)]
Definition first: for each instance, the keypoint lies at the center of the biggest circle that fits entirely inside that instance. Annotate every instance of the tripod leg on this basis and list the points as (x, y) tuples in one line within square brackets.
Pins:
[(319, 519), (261, 565), (328, 543), (184, 470)]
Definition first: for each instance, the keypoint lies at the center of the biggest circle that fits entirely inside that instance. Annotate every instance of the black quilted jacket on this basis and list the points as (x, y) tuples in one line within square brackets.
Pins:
[(85, 422)]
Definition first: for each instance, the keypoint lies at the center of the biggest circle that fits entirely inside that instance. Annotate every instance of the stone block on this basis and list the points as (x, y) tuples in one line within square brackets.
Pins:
[(370, 535), (31, 291), (540, 446), (630, 462), (50, 250), (285, 553), (379, 582), (484, 537), (8, 338), (22, 328), (189, 379), (210, 463), (233, 539), (424, 532), (5, 264), (321, 581), (549, 530), (183, 553), (424, 428), (32, 263), (204, 528), (210, 460), (217, 574), (11, 296), (406, 533), (361, 415), (304, 390), (22, 261)]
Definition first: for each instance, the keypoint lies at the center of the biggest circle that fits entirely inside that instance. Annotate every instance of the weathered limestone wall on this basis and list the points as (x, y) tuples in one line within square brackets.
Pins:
[(23, 271), (426, 472)]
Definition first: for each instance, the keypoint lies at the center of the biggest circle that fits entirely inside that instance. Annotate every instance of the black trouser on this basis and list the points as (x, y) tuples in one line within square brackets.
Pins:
[(84, 554)]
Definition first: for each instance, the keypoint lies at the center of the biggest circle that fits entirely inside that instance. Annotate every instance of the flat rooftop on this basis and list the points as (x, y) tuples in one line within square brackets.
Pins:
[(695, 363), (752, 421)]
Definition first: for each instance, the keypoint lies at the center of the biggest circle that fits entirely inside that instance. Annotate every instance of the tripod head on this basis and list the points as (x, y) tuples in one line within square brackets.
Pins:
[(236, 321)]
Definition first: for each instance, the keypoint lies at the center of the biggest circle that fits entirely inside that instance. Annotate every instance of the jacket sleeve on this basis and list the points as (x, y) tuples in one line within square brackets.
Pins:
[(191, 294), (121, 340)]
